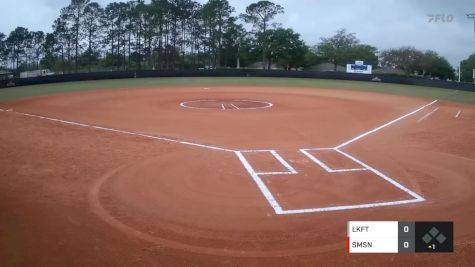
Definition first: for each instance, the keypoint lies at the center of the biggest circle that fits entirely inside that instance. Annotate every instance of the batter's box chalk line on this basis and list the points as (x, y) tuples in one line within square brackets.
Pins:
[(324, 165), (266, 192), (256, 176)]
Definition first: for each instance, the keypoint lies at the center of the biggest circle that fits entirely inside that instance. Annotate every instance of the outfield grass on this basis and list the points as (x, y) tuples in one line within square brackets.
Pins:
[(397, 89)]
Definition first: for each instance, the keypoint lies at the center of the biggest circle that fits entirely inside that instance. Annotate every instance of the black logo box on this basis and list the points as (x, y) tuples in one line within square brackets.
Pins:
[(434, 237)]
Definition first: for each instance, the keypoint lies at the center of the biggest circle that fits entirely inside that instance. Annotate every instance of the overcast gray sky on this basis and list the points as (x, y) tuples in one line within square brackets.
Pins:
[(381, 23)]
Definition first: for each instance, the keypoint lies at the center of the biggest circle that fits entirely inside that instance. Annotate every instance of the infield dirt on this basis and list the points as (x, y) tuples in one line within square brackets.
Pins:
[(79, 196)]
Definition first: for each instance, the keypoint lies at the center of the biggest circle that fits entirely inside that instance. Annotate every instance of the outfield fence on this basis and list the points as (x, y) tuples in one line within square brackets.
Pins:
[(237, 73)]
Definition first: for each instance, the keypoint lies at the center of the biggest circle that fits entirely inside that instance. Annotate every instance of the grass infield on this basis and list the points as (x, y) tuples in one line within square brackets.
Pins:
[(397, 89)]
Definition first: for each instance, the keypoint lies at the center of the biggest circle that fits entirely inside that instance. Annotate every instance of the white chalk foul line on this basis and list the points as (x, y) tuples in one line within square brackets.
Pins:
[(458, 113), (125, 132), (427, 115), (384, 125)]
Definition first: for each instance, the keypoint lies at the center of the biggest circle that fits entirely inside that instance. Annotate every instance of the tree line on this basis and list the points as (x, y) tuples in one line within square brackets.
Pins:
[(184, 34)]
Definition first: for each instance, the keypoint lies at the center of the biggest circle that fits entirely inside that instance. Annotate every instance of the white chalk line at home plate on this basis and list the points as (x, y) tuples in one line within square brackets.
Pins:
[(256, 176), (266, 192)]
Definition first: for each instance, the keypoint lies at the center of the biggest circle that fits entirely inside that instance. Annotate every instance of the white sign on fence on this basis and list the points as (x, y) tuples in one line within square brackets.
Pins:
[(359, 67)]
